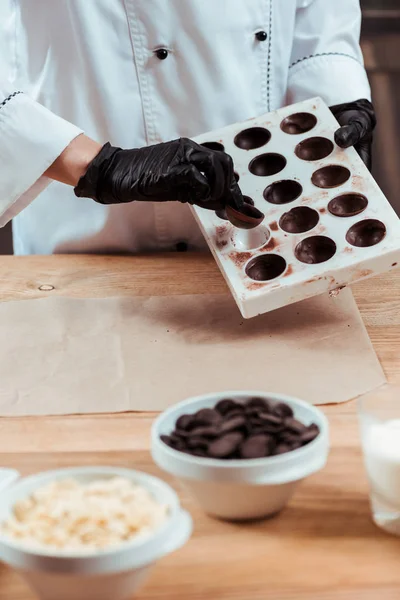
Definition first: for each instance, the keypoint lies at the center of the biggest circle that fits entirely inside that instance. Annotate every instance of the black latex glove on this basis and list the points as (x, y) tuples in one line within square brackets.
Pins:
[(178, 170), (357, 120)]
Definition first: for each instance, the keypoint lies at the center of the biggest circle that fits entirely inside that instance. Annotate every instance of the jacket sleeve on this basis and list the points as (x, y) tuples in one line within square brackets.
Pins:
[(31, 138), (326, 54)]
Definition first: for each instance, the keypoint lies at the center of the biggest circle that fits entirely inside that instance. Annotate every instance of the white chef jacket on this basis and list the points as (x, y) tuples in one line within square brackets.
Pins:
[(91, 66)]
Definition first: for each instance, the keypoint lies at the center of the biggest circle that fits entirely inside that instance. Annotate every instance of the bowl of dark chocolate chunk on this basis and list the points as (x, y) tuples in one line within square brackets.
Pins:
[(241, 454)]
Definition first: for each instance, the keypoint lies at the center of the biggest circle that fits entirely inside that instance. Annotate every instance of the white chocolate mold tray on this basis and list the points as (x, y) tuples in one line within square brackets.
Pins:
[(327, 223)]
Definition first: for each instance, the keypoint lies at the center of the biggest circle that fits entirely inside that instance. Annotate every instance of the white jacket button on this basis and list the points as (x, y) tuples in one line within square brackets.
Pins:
[(162, 53), (261, 36)]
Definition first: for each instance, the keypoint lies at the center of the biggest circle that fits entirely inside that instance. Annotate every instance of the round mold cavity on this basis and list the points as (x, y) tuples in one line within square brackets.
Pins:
[(348, 205), (252, 138), (315, 148), (266, 267), (250, 239), (299, 123), (267, 164), (299, 220), (283, 192), (214, 146), (331, 176), (315, 250), (366, 233)]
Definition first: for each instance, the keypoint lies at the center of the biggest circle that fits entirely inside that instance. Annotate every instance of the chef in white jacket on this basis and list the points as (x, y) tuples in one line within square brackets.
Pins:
[(80, 79)]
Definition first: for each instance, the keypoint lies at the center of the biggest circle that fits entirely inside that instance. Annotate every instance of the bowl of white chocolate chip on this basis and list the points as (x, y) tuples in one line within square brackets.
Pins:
[(90, 533)]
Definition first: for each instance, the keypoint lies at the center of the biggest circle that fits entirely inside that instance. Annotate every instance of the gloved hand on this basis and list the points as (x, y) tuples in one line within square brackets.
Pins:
[(178, 170), (357, 120)]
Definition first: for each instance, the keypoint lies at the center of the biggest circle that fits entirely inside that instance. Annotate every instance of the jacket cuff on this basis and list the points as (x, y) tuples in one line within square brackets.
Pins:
[(336, 78), (31, 138)]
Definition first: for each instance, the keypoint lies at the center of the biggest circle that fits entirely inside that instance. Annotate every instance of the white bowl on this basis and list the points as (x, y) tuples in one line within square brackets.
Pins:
[(114, 573), (241, 489)]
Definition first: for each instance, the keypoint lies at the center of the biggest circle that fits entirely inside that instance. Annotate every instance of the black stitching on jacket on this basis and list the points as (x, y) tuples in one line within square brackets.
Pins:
[(324, 54), (9, 98), (269, 57)]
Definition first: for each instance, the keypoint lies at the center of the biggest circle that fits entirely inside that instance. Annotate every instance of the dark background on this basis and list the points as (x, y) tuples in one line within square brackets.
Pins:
[(381, 47)]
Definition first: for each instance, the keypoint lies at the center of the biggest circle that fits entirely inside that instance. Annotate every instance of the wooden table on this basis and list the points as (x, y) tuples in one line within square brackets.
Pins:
[(323, 547)]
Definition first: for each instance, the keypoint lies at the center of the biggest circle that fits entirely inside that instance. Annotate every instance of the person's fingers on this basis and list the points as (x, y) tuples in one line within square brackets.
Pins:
[(348, 135), (190, 185), (234, 197), (214, 169)]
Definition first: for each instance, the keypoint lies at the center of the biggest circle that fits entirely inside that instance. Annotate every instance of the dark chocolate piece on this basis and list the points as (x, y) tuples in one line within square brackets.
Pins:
[(206, 416), (248, 200), (282, 448), (266, 267), (252, 138), (226, 445), (224, 406), (283, 410), (348, 205), (315, 148), (366, 233), (185, 422), (299, 123), (299, 220), (256, 446), (232, 424), (283, 192), (315, 250), (309, 434), (294, 425), (267, 164), (258, 403), (331, 176)]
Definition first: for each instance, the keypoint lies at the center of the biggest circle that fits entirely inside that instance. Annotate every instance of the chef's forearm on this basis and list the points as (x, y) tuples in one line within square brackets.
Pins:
[(73, 162)]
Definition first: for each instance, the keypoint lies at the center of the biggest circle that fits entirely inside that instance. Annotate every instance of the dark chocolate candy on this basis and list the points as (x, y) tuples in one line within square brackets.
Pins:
[(283, 410), (207, 416), (232, 424), (226, 445), (224, 406), (256, 446), (185, 422)]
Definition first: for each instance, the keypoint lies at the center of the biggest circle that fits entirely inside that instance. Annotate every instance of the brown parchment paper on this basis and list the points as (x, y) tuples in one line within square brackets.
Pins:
[(61, 356)]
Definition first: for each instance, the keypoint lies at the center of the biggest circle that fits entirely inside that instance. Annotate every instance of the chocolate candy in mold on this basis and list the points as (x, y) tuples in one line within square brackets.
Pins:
[(283, 192), (252, 138), (330, 176), (265, 267), (315, 148), (267, 164), (299, 123), (348, 205), (366, 233), (248, 217), (299, 220), (216, 146), (315, 250)]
